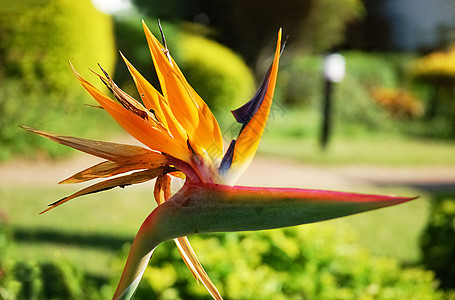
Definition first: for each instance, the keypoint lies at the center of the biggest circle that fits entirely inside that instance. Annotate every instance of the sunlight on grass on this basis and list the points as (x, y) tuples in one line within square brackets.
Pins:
[(392, 151), (393, 231), (294, 134), (91, 231)]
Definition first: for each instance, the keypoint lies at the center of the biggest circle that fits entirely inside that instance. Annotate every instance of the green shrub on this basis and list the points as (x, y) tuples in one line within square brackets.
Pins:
[(40, 280), (8, 287), (300, 80), (219, 75), (327, 21), (36, 280), (438, 243), (315, 262), (38, 87), (50, 280), (38, 38), (47, 111)]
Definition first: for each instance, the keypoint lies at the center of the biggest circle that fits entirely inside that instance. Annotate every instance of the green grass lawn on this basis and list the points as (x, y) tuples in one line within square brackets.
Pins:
[(90, 231), (294, 134), (391, 151)]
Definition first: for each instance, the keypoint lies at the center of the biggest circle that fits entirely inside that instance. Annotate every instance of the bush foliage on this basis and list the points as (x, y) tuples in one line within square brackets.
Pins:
[(311, 262), (300, 84), (38, 88), (39, 37), (437, 68), (438, 243), (320, 262), (437, 71)]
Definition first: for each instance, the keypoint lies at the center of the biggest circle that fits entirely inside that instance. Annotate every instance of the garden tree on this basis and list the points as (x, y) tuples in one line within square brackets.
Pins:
[(246, 26)]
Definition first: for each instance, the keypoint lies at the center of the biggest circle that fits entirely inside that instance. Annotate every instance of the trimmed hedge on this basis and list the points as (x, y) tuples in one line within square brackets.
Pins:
[(37, 38)]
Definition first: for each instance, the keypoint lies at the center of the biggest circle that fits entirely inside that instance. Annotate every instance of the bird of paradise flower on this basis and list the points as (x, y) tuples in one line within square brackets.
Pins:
[(182, 139)]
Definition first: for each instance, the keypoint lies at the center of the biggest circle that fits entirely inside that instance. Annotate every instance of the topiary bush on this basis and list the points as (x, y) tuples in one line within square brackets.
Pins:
[(37, 38), (438, 243), (315, 262)]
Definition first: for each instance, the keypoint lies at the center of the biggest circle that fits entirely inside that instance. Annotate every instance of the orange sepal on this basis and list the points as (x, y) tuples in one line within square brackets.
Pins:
[(187, 106), (134, 178), (154, 100), (111, 168), (139, 128)]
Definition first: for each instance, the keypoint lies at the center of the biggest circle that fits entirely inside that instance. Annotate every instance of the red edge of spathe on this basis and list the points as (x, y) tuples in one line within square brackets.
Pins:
[(324, 195)]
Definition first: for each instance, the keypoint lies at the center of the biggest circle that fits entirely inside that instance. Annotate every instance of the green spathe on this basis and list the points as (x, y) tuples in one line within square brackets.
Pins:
[(204, 208)]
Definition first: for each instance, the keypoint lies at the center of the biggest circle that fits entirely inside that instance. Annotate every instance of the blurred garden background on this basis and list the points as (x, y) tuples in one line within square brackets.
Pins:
[(393, 132)]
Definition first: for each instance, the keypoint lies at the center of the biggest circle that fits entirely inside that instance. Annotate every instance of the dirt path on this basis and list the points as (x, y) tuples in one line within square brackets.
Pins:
[(264, 171)]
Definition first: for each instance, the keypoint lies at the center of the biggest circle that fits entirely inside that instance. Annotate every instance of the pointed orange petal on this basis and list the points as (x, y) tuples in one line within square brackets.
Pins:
[(187, 106), (139, 128), (154, 100), (149, 95)]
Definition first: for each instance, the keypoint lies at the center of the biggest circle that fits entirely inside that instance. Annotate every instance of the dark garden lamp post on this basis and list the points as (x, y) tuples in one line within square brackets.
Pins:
[(334, 70)]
